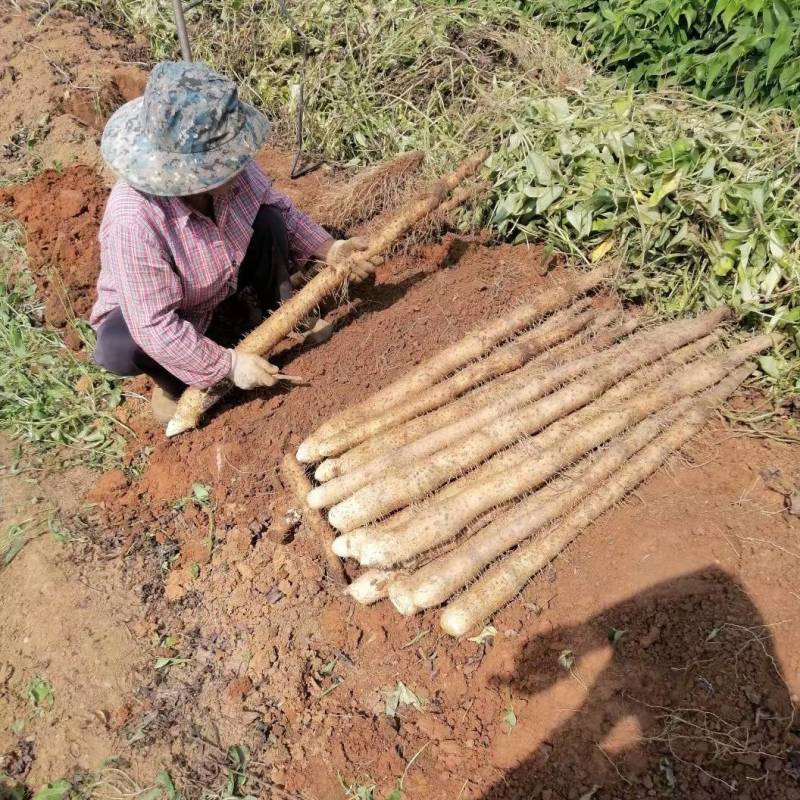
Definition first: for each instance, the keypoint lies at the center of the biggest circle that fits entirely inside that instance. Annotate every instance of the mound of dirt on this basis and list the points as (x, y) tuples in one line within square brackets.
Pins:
[(59, 81), (61, 212)]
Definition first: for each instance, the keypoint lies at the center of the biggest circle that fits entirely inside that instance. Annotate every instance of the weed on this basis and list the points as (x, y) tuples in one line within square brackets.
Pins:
[(111, 781), (200, 497), (397, 792), (58, 531), (48, 396), (13, 540), (40, 697), (615, 635), (401, 695), (40, 694), (357, 790), (56, 790), (16, 536), (167, 662), (237, 758), (510, 718)]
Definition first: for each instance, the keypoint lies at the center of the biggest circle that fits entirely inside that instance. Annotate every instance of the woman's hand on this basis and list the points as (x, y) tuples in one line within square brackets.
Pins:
[(339, 250), (249, 371)]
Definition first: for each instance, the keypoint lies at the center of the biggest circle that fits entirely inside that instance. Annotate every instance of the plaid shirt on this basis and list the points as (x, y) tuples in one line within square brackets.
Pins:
[(167, 268)]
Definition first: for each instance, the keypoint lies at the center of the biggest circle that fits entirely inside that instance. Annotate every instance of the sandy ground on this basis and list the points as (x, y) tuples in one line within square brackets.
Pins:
[(696, 571)]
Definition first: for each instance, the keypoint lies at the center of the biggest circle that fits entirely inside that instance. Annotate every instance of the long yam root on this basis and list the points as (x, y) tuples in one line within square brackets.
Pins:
[(391, 441), (520, 387), (295, 476), (505, 359), (508, 577), (473, 346), (437, 580), (445, 575), (540, 458), (370, 586), (425, 518), (195, 402), (403, 486)]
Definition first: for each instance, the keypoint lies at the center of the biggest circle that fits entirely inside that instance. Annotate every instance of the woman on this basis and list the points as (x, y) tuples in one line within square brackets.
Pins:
[(192, 221)]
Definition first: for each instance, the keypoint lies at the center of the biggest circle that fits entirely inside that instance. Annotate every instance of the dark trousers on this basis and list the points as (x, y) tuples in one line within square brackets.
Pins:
[(264, 270)]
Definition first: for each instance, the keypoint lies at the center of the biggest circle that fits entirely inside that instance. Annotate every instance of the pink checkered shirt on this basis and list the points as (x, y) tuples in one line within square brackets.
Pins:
[(167, 268)]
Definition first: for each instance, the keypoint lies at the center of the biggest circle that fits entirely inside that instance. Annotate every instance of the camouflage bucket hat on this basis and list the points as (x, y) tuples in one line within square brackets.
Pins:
[(189, 132)]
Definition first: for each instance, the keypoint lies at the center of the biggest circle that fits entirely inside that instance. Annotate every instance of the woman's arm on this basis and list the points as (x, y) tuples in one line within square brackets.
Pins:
[(150, 294)]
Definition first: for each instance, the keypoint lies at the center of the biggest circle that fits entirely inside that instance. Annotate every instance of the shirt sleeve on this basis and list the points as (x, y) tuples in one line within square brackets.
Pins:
[(150, 294), (305, 235)]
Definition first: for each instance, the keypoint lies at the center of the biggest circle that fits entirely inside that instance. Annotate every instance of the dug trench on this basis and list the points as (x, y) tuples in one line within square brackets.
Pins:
[(659, 656)]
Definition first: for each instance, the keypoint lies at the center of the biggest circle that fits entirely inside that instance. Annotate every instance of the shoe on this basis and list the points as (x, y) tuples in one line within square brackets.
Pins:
[(319, 330), (162, 405)]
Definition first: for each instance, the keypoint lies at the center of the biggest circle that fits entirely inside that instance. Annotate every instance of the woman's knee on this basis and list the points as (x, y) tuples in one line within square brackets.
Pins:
[(116, 350)]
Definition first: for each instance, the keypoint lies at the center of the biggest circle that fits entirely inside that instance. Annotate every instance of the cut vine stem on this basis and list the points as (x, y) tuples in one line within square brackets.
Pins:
[(195, 402)]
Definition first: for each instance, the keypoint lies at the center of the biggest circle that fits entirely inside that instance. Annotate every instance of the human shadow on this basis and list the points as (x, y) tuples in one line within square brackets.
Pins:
[(678, 693)]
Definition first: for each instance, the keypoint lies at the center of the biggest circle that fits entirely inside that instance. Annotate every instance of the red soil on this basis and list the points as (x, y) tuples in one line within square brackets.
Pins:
[(669, 570), (61, 213)]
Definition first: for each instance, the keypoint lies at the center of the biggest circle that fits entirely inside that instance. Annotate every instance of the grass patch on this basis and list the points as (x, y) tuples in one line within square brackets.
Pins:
[(380, 79), (49, 397)]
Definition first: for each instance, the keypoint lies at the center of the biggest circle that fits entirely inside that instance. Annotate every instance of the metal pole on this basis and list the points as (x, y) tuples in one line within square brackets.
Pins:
[(180, 25)]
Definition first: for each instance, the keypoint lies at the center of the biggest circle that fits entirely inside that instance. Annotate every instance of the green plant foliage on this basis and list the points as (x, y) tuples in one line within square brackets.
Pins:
[(699, 203), (49, 396), (746, 50), (54, 791)]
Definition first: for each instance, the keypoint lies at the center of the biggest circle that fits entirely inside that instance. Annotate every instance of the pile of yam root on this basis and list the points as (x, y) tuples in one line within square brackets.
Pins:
[(461, 480)]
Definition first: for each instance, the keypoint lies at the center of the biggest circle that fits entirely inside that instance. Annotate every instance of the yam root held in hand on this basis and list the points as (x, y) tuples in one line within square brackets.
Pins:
[(195, 402)]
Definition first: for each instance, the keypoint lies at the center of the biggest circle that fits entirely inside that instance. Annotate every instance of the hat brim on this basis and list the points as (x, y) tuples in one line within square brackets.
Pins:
[(135, 158)]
